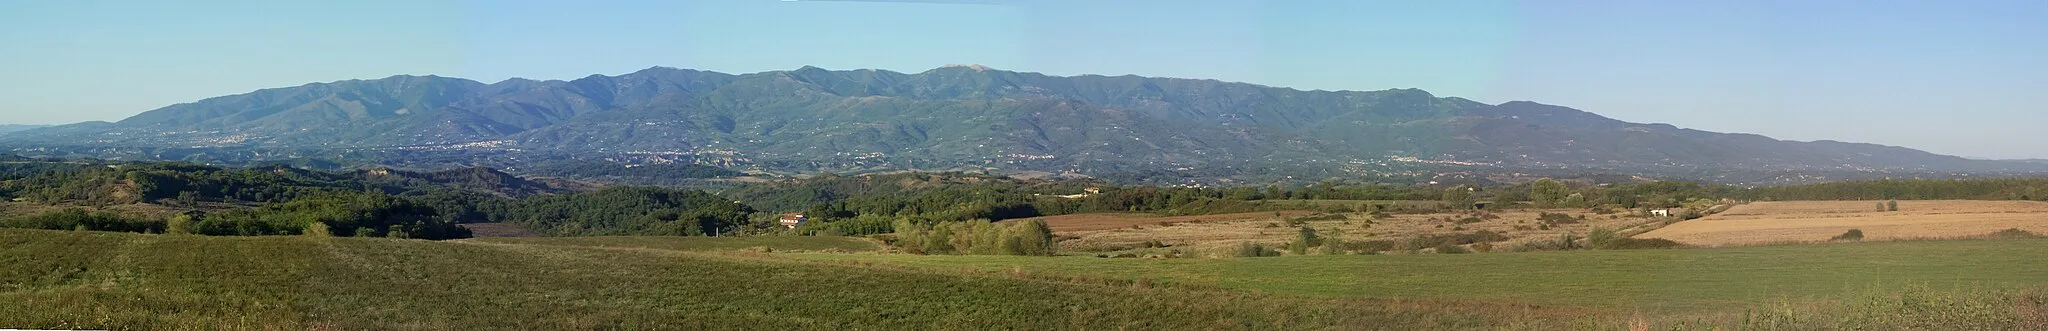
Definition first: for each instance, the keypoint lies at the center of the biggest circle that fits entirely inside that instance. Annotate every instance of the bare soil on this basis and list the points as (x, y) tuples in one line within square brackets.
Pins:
[(1110, 232), (1087, 222)]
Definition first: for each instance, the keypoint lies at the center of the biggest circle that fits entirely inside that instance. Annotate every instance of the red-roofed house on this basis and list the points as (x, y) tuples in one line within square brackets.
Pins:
[(793, 220)]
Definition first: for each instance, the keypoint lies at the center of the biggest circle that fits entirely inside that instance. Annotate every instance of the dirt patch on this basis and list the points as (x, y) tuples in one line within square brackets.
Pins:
[(1227, 232), (496, 230), (1813, 221), (1087, 222)]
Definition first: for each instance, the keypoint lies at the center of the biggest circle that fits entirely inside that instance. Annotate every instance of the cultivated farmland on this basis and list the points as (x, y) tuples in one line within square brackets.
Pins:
[(1814, 221), (1203, 235)]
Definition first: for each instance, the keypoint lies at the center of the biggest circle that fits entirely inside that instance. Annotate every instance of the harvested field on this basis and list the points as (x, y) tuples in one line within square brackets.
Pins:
[(1222, 233), (1815, 221), (1086, 222)]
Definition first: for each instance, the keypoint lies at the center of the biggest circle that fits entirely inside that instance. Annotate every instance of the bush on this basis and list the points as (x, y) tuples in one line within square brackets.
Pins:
[(1254, 250), (1601, 238), (81, 220), (1652, 243), (1368, 246), (1852, 235), (1439, 240), (2014, 233), (1027, 238), (1557, 218), (1452, 249), (316, 229)]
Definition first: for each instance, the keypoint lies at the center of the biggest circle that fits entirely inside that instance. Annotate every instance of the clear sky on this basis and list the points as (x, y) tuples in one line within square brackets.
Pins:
[(1952, 77)]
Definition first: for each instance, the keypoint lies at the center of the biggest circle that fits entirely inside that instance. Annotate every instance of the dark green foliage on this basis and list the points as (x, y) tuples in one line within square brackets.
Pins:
[(1891, 205), (362, 214), (629, 211), (1851, 235), (1637, 243), (1557, 218), (1604, 238), (1308, 236), (1904, 189), (979, 237), (79, 219)]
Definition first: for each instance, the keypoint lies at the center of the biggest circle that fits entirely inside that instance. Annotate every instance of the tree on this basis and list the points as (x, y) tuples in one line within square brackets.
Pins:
[(1458, 196), (1308, 236), (316, 229), (179, 224), (1548, 193), (940, 240)]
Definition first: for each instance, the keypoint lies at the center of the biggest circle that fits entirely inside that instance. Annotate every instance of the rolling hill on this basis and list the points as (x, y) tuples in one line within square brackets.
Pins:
[(967, 117)]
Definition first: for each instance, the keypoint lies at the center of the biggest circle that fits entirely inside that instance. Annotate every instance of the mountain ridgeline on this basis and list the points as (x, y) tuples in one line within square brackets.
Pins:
[(966, 117)]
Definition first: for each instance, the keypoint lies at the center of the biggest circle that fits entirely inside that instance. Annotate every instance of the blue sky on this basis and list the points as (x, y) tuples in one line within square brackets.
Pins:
[(1952, 77)]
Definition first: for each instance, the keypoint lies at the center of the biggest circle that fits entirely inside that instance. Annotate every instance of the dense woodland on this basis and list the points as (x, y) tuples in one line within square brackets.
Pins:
[(282, 200)]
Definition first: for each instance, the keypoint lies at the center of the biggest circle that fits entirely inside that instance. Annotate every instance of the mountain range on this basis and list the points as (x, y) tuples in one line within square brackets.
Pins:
[(966, 117), (5, 128)]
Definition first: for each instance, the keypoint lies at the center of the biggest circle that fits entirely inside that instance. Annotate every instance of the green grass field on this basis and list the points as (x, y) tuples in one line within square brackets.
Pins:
[(1681, 279), (91, 280), (770, 243)]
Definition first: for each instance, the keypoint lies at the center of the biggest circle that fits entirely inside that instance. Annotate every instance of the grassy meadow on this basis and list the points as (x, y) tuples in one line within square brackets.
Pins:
[(93, 280), (1679, 280), (758, 243)]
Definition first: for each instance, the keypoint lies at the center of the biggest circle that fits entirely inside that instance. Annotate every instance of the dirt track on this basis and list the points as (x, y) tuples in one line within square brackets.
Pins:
[(1809, 221)]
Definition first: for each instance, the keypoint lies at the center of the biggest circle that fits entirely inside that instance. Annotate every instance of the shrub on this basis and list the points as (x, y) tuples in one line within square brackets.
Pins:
[(1332, 246), (1633, 243), (1367, 246), (1891, 205), (178, 224), (1557, 218), (1602, 238), (1852, 235), (1452, 249), (1308, 236), (316, 229), (1254, 250), (2014, 233), (81, 220)]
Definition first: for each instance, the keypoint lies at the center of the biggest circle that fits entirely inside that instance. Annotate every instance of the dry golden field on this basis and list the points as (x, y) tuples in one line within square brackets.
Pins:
[(1221, 232), (1814, 221), (1106, 221)]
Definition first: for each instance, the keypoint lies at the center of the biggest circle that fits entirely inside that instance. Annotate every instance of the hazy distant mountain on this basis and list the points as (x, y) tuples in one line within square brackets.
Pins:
[(965, 116), (5, 128)]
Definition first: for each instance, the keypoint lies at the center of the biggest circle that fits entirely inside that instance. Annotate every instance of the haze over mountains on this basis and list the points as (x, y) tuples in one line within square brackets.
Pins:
[(966, 117)]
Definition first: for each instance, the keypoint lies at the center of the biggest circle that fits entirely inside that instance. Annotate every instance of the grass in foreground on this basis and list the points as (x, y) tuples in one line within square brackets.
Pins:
[(65, 279), (1665, 280), (768, 243), (61, 279)]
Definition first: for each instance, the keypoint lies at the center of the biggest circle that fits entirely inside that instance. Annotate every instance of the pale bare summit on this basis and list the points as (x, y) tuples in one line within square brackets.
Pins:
[(1814, 221)]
